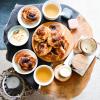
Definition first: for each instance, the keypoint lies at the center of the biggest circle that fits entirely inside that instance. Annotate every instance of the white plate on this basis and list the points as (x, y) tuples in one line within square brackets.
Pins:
[(24, 24), (17, 66)]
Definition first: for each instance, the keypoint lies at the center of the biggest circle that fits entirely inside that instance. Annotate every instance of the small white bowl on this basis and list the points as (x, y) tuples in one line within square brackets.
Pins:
[(54, 3), (88, 46), (19, 17), (43, 83), (15, 28), (65, 72), (17, 66)]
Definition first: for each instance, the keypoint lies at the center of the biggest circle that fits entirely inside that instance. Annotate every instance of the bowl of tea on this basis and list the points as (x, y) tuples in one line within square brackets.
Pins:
[(51, 10), (43, 75), (88, 45)]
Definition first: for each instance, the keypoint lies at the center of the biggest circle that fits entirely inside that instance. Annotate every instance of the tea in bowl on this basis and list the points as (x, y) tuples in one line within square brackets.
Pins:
[(51, 10), (88, 46), (43, 75)]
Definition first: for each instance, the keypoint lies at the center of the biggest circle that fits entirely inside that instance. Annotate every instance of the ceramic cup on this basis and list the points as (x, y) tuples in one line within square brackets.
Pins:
[(51, 10), (43, 75), (88, 46)]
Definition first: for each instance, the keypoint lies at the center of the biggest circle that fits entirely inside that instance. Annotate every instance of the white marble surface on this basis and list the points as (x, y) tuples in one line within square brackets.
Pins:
[(90, 10)]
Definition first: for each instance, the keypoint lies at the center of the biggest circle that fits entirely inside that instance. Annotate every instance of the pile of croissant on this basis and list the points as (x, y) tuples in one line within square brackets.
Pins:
[(50, 42)]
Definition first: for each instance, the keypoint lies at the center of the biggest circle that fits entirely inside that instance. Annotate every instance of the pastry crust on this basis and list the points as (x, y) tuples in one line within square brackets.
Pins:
[(25, 60), (30, 15), (42, 34), (42, 48), (56, 42)]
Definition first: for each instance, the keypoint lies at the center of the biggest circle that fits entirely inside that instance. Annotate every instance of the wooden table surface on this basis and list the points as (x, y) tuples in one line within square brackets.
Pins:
[(75, 85)]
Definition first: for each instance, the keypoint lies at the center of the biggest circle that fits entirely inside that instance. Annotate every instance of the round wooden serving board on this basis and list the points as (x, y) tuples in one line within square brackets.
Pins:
[(75, 85), (62, 29)]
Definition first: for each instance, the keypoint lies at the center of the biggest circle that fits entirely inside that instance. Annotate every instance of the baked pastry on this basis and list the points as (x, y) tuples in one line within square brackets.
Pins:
[(54, 27), (30, 14), (25, 60), (50, 41), (42, 48), (42, 34)]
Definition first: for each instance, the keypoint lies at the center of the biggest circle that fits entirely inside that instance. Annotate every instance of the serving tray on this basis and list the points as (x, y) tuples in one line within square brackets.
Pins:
[(11, 50)]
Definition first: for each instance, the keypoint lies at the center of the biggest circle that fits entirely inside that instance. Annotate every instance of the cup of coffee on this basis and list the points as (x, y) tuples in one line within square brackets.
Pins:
[(51, 10), (43, 75)]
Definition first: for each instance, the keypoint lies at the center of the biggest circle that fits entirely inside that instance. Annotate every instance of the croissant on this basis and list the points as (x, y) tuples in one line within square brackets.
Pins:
[(30, 14), (42, 49), (42, 34)]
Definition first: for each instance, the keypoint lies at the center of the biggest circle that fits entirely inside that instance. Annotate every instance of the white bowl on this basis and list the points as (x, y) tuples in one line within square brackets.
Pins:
[(15, 28), (23, 23), (54, 3), (88, 46), (17, 66), (43, 83)]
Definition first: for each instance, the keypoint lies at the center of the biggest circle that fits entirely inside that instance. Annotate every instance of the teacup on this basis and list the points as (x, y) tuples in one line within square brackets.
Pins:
[(43, 75), (51, 10)]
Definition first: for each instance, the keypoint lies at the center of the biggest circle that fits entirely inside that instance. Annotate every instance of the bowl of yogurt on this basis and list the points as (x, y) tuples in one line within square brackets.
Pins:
[(18, 35)]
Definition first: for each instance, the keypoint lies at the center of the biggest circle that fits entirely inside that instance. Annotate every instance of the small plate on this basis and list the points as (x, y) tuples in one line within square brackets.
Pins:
[(24, 24), (17, 66)]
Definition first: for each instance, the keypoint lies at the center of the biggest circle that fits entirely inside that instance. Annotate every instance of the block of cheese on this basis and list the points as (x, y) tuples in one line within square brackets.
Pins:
[(73, 23)]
